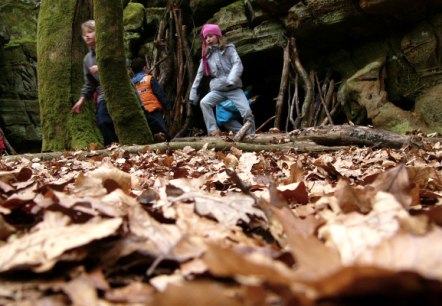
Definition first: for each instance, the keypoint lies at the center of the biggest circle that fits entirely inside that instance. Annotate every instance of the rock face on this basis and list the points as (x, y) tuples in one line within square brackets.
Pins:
[(384, 54), (19, 109)]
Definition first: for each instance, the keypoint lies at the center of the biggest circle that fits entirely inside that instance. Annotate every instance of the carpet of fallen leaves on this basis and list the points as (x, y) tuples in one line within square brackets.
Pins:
[(359, 226)]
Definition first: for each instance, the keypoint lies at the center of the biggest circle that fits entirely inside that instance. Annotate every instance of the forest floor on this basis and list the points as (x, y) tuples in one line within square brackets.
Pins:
[(356, 226)]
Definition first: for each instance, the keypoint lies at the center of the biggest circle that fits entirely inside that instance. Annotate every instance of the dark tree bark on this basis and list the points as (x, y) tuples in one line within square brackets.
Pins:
[(123, 104)]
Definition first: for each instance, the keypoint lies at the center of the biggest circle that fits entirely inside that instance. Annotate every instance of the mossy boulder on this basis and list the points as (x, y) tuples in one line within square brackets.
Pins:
[(202, 10), (363, 93), (18, 77), (133, 16), (395, 119), (26, 12), (429, 104), (20, 121), (231, 17)]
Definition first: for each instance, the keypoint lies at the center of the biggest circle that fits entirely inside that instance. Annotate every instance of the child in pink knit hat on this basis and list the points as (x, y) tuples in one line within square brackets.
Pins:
[(214, 33), (222, 64)]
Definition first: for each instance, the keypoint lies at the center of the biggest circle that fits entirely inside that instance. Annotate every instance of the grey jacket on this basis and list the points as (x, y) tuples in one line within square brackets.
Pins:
[(225, 68), (91, 81)]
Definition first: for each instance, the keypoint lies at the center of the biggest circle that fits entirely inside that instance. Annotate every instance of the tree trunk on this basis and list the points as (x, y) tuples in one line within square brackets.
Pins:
[(60, 54), (123, 105)]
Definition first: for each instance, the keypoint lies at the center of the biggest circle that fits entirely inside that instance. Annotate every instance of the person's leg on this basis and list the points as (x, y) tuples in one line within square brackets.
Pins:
[(207, 104), (238, 97), (156, 123), (105, 124), (233, 125)]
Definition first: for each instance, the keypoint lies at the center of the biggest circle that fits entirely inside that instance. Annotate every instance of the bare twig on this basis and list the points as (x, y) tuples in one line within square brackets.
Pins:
[(242, 132), (308, 87), (283, 87), (265, 123), (295, 103), (324, 105), (333, 111)]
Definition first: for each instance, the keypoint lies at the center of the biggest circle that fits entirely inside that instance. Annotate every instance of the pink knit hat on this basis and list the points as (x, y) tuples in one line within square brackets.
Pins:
[(208, 29)]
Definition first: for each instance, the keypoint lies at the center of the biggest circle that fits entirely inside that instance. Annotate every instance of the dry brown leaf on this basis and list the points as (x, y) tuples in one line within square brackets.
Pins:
[(246, 266), (161, 282), (81, 292), (228, 210), (133, 293), (246, 163), (6, 229), (42, 248), (97, 179), (175, 236), (352, 199), (396, 182), (380, 285), (295, 193), (407, 252), (296, 173), (354, 234), (231, 161), (314, 259), (164, 236), (197, 293), (195, 226)]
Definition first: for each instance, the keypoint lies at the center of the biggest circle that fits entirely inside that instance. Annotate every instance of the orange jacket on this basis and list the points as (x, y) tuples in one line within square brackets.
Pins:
[(144, 88)]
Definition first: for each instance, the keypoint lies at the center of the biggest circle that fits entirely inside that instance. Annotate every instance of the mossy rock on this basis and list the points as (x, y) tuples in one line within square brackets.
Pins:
[(429, 104), (403, 81), (202, 10), (133, 17), (395, 119), (230, 17), (24, 11)]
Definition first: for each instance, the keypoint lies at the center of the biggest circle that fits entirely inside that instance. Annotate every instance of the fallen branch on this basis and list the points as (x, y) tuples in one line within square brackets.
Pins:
[(217, 144), (309, 140), (242, 132), (352, 135)]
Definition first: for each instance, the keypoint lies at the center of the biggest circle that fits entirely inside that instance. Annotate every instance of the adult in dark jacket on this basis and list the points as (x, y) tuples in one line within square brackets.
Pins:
[(92, 84)]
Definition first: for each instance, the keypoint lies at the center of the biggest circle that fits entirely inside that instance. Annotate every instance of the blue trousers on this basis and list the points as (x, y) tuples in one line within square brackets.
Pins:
[(156, 122), (215, 97), (105, 123)]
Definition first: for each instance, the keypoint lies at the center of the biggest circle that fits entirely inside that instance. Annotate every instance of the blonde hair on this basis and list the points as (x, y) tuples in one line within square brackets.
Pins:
[(90, 24)]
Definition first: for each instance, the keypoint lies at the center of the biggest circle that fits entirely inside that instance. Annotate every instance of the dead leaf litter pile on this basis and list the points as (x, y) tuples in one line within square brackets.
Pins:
[(204, 227)]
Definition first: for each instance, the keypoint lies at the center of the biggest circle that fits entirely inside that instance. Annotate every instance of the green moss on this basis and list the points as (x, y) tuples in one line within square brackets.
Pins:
[(19, 18), (133, 16), (123, 105), (20, 41), (231, 16), (402, 81), (59, 65)]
